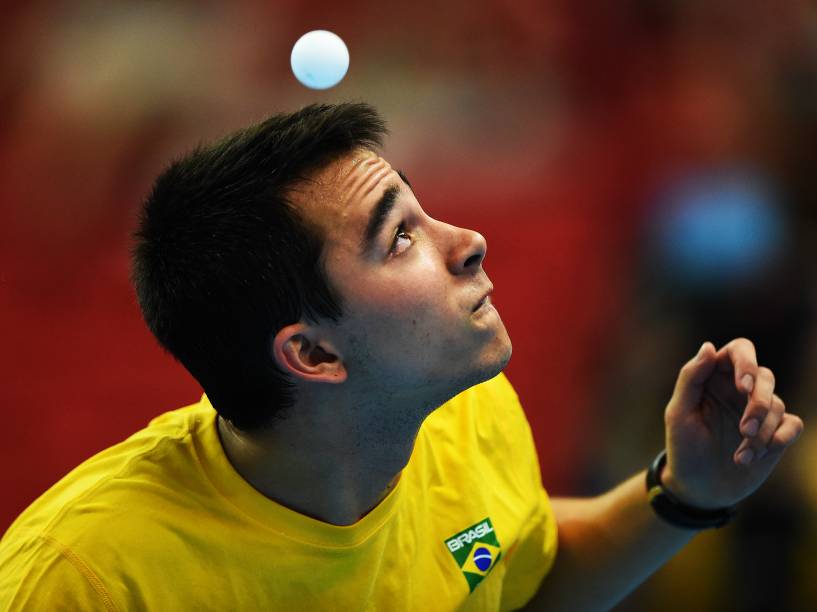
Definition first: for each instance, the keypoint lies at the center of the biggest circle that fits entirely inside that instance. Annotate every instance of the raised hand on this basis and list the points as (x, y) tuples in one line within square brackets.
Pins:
[(726, 429)]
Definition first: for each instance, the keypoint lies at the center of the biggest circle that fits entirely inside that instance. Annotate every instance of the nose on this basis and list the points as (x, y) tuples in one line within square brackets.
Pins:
[(467, 252)]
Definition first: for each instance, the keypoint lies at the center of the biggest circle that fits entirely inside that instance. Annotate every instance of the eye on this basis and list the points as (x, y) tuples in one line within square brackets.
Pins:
[(400, 237)]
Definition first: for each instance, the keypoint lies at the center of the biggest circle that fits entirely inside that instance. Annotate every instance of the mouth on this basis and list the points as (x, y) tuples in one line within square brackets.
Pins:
[(486, 299)]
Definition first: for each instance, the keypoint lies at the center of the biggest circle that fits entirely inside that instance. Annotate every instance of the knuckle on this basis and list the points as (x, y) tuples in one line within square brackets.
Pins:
[(773, 422), (789, 438), (760, 408), (767, 374), (743, 343)]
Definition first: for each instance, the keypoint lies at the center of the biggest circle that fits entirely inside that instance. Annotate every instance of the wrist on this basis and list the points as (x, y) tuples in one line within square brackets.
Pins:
[(671, 485), (673, 509)]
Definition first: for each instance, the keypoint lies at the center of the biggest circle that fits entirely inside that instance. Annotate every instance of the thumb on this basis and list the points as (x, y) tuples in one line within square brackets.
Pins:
[(689, 387)]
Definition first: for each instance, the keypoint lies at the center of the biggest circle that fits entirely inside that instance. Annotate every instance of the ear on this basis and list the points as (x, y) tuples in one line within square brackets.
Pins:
[(300, 351)]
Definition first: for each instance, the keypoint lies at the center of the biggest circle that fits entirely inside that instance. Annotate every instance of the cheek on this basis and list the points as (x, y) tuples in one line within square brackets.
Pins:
[(412, 318), (419, 285), (410, 308), (405, 315)]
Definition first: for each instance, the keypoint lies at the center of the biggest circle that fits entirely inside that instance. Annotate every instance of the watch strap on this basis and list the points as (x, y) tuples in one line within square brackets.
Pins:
[(673, 511)]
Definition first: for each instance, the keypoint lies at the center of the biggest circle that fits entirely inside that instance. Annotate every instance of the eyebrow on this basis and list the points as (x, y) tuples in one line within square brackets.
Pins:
[(377, 218), (405, 179), (379, 214)]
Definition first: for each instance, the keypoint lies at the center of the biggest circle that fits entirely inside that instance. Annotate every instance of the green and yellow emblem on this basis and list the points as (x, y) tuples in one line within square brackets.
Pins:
[(476, 551)]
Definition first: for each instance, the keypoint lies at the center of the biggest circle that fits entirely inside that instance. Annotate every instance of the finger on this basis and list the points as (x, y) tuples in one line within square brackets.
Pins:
[(790, 428), (744, 455), (740, 356), (788, 432), (759, 406), (771, 423), (689, 387)]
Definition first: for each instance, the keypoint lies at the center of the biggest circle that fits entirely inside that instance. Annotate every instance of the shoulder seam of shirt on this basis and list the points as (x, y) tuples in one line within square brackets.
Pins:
[(83, 569), (103, 481)]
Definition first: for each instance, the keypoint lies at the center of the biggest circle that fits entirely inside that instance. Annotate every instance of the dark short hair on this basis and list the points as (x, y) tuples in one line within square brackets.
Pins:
[(222, 258)]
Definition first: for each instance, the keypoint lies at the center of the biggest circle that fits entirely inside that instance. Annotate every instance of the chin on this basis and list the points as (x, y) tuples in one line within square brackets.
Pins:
[(507, 356), (486, 369), (494, 362), (503, 350), (503, 359)]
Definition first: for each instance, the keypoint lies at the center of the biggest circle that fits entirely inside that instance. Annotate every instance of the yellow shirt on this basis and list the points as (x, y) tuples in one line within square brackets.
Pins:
[(163, 522)]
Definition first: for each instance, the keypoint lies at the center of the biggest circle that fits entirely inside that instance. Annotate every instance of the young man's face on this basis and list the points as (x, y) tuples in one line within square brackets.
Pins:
[(412, 286)]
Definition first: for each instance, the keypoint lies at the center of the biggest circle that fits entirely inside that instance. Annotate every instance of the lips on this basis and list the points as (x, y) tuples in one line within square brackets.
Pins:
[(484, 299)]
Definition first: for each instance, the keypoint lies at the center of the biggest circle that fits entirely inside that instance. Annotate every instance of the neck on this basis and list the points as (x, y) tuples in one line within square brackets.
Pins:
[(323, 464)]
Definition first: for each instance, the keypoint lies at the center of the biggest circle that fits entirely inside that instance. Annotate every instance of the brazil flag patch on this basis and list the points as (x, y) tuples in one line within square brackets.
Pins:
[(476, 550)]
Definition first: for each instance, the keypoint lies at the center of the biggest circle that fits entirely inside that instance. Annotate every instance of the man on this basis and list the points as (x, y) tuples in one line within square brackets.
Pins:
[(357, 447)]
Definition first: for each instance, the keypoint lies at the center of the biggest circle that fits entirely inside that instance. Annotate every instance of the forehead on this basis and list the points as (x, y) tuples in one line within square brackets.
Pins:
[(339, 197)]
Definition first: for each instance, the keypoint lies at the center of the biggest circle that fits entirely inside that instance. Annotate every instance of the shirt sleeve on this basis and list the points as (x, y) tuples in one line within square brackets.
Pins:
[(49, 576)]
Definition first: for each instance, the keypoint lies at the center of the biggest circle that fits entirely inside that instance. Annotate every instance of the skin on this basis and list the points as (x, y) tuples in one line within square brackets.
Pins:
[(726, 429), (409, 340)]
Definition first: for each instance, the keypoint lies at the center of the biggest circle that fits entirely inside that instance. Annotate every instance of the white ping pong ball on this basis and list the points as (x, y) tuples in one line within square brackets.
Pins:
[(319, 59)]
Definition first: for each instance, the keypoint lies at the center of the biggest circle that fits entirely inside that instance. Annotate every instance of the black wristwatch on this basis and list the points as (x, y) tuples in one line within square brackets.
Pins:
[(667, 506)]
